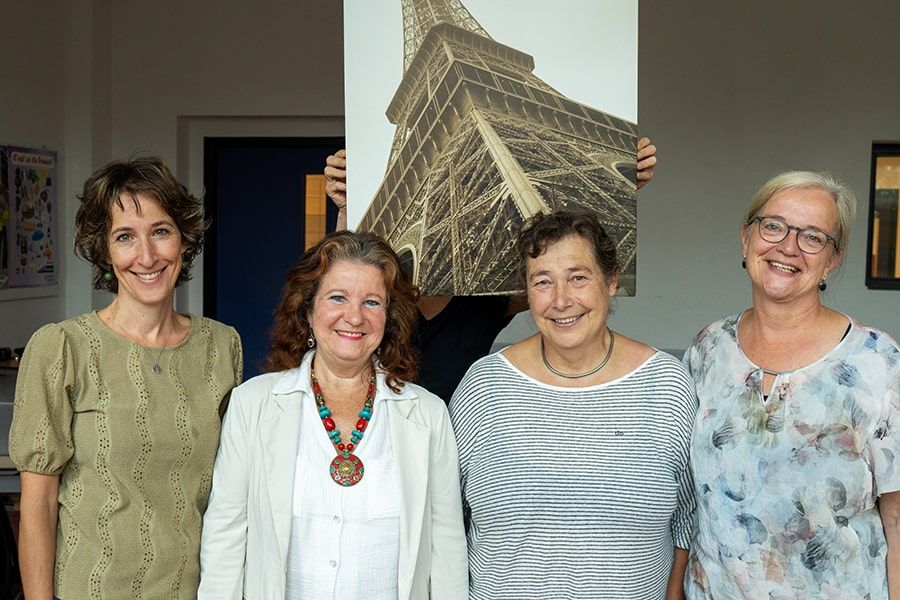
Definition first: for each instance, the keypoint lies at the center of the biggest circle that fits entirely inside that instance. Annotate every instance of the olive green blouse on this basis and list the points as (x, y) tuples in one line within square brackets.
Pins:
[(134, 450)]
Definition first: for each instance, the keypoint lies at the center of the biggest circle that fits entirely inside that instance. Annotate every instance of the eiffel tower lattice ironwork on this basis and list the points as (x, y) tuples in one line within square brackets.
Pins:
[(482, 144)]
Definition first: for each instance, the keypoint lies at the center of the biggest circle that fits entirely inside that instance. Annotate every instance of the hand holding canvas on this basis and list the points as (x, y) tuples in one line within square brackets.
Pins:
[(336, 172), (646, 160)]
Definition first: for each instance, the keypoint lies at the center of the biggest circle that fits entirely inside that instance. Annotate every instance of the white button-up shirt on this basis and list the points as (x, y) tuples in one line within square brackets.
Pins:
[(345, 541)]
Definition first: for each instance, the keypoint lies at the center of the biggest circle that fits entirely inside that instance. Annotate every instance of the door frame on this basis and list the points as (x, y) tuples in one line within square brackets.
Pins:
[(191, 131)]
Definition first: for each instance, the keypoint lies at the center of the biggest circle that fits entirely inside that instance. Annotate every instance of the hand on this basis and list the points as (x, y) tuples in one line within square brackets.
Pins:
[(336, 178), (646, 160)]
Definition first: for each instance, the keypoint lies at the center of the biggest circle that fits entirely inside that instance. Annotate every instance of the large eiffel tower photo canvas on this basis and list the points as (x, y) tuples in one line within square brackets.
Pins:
[(478, 136)]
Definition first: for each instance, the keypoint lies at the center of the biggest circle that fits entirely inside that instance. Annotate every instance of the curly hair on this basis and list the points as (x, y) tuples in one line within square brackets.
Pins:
[(541, 230), (291, 328), (127, 179)]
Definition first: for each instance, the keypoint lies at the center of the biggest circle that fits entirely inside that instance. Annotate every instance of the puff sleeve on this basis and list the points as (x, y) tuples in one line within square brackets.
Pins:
[(40, 437), (237, 357)]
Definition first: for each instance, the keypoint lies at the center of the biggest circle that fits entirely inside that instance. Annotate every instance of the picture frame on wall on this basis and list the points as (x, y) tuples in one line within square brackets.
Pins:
[(883, 249), (28, 217)]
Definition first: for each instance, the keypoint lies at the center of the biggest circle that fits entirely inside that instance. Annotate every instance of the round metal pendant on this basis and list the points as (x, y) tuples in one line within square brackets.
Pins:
[(346, 469), (157, 369)]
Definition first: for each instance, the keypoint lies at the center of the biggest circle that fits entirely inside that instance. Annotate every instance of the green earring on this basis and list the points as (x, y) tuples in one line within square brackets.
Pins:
[(107, 276)]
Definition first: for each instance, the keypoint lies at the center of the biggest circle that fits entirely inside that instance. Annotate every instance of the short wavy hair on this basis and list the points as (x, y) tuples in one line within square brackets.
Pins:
[(840, 192), (291, 329), (123, 180), (544, 229)]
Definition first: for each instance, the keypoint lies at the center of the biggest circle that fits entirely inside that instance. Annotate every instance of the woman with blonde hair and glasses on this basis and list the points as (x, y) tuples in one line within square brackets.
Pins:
[(795, 449)]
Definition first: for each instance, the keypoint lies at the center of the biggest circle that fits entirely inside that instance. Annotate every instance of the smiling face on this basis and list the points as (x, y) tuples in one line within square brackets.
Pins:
[(780, 271), (568, 294), (349, 314), (145, 249)]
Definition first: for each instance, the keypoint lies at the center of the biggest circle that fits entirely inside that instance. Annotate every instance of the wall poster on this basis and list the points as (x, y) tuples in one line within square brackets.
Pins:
[(28, 181)]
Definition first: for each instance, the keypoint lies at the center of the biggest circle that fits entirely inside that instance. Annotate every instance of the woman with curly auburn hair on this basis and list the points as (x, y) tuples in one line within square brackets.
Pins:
[(291, 331), (116, 420), (335, 477)]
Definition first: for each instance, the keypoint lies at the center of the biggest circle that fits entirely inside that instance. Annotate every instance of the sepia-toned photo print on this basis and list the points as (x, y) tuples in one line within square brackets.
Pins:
[(466, 117)]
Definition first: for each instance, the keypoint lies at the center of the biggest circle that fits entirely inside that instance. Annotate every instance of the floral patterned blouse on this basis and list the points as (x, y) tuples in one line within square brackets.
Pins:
[(786, 486)]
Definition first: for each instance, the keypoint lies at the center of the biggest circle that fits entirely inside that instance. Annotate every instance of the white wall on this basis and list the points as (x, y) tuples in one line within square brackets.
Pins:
[(732, 92), (211, 58), (31, 114)]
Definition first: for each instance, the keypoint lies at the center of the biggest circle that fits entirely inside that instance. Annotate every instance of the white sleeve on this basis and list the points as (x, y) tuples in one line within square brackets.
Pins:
[(223, 545)]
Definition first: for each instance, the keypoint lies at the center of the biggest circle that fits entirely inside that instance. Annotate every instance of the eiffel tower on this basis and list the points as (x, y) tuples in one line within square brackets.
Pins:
[(482, 144)]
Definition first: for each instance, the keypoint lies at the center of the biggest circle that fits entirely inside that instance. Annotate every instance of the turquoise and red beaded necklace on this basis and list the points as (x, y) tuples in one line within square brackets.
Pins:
[(346, 469)]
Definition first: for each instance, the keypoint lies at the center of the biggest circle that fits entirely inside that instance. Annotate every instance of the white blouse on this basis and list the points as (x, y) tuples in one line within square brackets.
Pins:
[(345, 541)]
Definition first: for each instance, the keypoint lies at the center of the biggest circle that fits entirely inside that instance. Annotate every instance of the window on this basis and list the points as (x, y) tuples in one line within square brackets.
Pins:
[(883, 260), (316, 204)]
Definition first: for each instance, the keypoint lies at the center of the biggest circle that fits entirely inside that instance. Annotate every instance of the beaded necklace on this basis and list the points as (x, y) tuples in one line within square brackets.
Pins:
[(346, 469)]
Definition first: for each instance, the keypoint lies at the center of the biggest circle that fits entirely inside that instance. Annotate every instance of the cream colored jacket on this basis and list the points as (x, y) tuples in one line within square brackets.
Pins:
[(247, 526)]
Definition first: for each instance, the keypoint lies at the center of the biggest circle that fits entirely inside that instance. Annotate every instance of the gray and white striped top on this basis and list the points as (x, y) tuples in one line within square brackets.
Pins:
[(574, 492)]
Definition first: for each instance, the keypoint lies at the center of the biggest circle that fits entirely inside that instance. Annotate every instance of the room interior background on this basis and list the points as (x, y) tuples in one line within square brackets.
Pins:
[(730, 92)]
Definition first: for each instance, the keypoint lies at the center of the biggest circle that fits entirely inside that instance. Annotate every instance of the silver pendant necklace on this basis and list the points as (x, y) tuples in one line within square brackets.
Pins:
[(612, 343), (156, 368)]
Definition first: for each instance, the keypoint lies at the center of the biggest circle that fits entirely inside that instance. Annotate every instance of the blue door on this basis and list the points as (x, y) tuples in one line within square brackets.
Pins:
[(256, 192)]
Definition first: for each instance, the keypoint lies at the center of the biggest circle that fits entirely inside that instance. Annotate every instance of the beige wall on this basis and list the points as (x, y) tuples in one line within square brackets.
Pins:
[(731, 92)]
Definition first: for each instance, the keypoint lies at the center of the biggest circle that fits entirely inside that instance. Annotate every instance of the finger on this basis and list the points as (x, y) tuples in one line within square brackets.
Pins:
[(643, 177), (333, 173), (643, 143), (646, 152), (647, 163), (336, 161)]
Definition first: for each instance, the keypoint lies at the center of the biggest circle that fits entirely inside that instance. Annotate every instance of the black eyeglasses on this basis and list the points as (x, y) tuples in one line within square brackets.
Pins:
[(810, 240)]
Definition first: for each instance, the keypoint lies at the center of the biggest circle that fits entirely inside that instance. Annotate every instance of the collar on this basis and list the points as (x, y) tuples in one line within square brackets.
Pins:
[(298, 380)]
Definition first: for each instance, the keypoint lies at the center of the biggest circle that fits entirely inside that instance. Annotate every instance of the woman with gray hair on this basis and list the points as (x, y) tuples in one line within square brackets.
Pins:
[(795, 452)]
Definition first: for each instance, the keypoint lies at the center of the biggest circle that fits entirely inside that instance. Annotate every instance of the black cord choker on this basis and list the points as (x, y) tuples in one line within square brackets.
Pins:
[(612, 343)]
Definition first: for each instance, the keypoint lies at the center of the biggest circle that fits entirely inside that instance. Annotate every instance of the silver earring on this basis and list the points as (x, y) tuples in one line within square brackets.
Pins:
[(311, 341)]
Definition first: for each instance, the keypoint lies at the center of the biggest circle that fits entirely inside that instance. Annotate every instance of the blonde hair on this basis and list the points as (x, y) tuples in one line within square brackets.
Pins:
[(843, 196)]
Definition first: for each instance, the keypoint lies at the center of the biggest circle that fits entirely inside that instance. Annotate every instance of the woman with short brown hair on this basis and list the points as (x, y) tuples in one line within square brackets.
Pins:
[(116, 419)]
